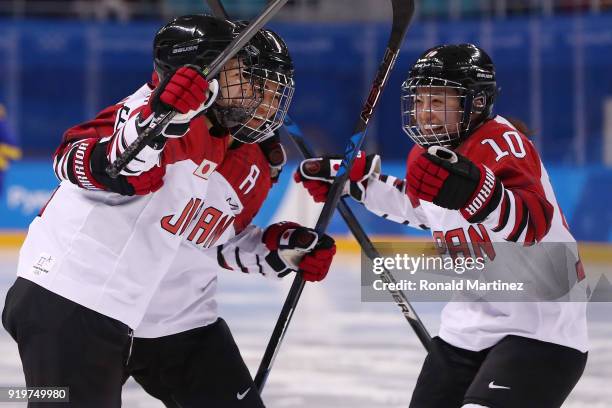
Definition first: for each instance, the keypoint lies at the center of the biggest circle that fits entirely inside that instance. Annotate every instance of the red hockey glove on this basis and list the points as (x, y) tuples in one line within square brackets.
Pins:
[(296, 248), (275, 154), (315, 264), (452, 181), (317, 175), (182, 91), (185, 91)]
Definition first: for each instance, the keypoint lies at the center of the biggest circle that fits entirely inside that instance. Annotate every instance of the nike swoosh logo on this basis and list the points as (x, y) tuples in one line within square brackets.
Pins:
[(241, 396), (493, 386)]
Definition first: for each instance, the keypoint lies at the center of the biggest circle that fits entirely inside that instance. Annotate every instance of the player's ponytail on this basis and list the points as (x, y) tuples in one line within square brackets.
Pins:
[(521, 126)]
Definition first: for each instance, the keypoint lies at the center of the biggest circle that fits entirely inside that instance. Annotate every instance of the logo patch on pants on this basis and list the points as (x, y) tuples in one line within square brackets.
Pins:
[(44, 264)]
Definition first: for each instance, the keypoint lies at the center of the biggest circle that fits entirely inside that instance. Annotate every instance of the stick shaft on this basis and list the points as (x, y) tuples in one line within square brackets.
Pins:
[(292, 131), (402, 14)]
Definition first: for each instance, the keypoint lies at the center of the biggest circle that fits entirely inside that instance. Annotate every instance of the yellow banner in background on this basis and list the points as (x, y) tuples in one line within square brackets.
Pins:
[(592, 252)]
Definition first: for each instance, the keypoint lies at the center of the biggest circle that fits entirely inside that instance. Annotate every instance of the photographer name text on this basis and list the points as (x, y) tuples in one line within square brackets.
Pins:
[(453, 285)]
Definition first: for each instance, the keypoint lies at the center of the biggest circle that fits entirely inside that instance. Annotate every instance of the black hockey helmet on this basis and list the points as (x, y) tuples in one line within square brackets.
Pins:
[(274, 58), (270, 72), (193, 39), (464, 72)]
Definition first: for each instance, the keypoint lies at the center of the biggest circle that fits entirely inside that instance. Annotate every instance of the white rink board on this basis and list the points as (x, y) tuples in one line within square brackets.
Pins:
[(338, 352)]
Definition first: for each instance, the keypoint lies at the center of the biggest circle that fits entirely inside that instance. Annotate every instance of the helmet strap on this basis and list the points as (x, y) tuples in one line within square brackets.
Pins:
[(479, 103), (467, 111)]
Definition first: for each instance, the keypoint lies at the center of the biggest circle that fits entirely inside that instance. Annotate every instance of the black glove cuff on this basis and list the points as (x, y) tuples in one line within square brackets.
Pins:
[(491, 205), (276, 263), (98, 164)]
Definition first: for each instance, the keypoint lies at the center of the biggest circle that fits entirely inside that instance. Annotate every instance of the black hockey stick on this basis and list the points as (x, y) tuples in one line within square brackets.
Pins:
[(292, 131), (402, 14), (211, 71)]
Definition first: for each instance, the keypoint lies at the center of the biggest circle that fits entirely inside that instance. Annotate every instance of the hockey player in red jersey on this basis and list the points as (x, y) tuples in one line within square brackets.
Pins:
[(474, 178), (182, 350), (94, 258)]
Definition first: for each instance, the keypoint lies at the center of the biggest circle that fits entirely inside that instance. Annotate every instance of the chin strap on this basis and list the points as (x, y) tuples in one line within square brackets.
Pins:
[(217, 129)]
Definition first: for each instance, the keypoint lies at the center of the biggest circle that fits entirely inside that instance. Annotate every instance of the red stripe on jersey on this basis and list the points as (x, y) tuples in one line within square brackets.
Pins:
[(530, 236), (520, 219), (540, 215), (504, 213)]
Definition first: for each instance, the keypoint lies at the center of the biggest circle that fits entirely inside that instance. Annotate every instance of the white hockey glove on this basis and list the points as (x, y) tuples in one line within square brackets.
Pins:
[(317, 174), (296, 248)]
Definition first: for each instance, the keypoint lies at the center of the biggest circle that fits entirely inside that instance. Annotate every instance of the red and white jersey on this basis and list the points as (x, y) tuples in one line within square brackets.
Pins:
[(185, 298), (528, 215), (110, 252)]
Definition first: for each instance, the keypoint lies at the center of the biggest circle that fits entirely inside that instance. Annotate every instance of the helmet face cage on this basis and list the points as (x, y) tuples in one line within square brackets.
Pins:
[(437, 111), (253, 99), (270, 76), (276, 92), (238, 98)]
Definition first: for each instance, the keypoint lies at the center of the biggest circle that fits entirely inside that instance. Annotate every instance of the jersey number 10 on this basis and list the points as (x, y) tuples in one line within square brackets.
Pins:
[(515, 143)]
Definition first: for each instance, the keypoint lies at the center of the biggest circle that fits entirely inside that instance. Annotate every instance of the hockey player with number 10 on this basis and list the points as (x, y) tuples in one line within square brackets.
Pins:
[(476, 181)]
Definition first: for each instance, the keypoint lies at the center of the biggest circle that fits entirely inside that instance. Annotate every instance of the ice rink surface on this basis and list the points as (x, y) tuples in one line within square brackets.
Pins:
[(338, 352)]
